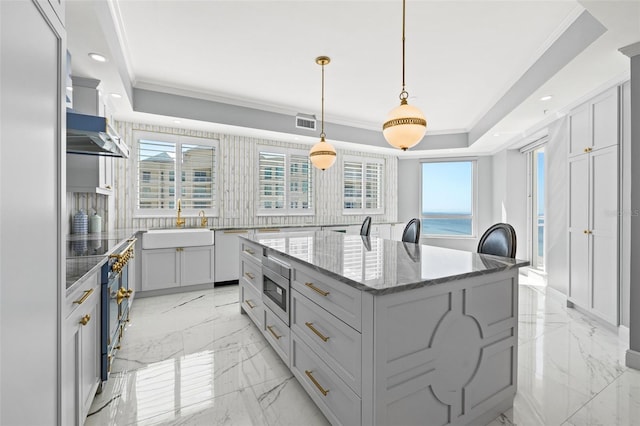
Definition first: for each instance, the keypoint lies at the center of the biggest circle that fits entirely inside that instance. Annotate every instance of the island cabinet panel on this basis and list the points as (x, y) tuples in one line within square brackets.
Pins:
[(251, 273), (251, 250), (339, 345), (278, 334), (450, 360), (337, 401), (251, 303), (343, 301)]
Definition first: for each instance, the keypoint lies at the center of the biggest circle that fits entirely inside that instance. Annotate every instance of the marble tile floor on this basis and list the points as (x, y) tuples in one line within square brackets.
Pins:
[(192, 359)]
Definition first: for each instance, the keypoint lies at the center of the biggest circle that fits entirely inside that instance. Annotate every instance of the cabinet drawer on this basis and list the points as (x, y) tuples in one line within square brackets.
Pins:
[(251, 273), (251, 302), (339, 345), (82, 292), (340, 299), (277, 333), (338, 403), (251, 250)]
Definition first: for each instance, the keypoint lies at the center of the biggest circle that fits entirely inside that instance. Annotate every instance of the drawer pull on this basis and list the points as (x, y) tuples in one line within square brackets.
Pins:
[(84, 297), (251, 252), (85, 319), (270, 328), (320, 335), (248, 302), (315, 382), (250, 275), (316, 289)]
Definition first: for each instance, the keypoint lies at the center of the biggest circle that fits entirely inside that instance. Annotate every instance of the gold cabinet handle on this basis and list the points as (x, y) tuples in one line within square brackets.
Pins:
[(589, 232), (315, 382), (250, 275), (85, 319), (108, 186), (316, 289), (270, 328), (320, 335), (585, 232), (248, 302), (250, 251), (84, 297)]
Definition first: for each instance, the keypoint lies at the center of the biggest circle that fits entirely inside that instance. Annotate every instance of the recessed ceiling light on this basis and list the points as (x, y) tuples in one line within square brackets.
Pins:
[(496, 134), (70, 88), (177, 121), (546, 98), (116, 95), (97, 57)]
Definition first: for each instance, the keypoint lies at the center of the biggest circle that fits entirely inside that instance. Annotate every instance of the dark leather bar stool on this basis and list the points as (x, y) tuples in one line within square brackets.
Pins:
[(499, 240), (365, 229), (411, 233)]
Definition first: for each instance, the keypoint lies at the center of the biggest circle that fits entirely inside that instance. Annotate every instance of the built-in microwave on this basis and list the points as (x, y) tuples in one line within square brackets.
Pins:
[(275, 286)]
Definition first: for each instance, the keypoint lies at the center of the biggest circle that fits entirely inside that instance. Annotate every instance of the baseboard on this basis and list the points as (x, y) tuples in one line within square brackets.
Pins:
[(556, 294), (633, 359)]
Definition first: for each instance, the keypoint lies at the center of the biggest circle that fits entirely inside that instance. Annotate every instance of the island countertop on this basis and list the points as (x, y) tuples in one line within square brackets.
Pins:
[(380, 266)]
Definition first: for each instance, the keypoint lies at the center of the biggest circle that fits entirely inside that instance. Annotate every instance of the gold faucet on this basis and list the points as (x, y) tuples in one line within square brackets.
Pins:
[(203, 219), (179, 220)]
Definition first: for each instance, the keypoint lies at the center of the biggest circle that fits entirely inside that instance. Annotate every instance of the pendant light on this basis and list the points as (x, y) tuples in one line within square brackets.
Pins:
[(322, 154), (405, 125)]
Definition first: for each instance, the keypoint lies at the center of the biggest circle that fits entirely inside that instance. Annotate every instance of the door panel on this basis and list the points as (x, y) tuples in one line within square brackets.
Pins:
[(578, 224), (604, 228)]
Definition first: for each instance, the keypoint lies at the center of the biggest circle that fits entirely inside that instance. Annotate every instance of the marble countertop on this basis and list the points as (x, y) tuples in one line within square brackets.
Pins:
[(381, 266)]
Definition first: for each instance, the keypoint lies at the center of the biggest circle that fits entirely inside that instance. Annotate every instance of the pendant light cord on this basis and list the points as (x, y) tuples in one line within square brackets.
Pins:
[(322, 135), (404, 94), (403, 20)]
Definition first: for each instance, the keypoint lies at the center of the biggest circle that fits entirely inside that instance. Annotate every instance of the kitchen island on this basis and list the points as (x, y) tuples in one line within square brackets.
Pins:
[(381, 332)]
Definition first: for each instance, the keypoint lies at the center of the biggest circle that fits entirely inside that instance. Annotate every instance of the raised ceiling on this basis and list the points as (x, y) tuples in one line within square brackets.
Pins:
[(475, 68)]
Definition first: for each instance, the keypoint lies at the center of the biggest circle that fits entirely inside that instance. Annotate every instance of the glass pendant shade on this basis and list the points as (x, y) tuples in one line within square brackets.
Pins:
[(405, 126), (322, 155)]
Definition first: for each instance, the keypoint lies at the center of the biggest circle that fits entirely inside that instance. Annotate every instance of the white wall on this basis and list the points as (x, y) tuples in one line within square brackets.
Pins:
[(627, 208), (409, 201), (237, 167)]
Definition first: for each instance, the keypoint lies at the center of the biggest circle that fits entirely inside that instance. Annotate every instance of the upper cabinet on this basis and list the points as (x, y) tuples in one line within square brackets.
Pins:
[(90, 173), (595, 124)]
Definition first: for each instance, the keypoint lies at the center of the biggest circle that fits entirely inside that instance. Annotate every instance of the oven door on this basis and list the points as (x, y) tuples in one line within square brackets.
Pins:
[(275, 293)]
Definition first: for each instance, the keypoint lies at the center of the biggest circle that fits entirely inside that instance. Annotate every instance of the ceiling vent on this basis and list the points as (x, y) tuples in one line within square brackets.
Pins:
[(305, 121)]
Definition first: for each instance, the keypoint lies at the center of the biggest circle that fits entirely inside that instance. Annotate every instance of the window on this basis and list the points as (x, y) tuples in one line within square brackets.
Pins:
[(160, 158), (284, 182), (362, 186), (447, 203)]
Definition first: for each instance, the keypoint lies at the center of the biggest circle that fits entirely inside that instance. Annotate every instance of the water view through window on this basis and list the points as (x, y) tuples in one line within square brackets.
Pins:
[(447, 198)]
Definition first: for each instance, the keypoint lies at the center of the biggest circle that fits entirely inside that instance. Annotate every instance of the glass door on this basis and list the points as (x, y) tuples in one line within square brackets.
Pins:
[(538, 210)]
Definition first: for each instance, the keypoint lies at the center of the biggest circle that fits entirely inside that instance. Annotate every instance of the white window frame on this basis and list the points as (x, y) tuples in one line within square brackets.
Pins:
[(286, 211), (474, 198), (364, 162), (178, 140)]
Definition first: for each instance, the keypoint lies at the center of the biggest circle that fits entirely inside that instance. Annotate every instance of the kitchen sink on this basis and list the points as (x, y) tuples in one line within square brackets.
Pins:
[(174, 237)]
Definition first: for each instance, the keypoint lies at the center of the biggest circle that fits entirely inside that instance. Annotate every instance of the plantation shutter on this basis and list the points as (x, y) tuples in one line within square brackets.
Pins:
[(373, 184), (156, 177), (300, 187), (198, 176), (271, 180), (352, 189)]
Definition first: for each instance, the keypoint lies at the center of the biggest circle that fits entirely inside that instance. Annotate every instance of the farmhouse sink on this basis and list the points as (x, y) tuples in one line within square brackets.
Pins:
[(166, 238)]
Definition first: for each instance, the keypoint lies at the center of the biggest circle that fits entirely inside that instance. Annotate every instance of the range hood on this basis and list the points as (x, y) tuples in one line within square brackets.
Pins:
[(92, 135)]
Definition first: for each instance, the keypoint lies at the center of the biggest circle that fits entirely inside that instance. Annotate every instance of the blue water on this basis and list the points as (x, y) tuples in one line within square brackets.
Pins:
[(446, 226)]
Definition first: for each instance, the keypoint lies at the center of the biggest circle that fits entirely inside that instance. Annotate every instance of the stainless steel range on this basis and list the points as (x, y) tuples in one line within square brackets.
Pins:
[(115, 303)]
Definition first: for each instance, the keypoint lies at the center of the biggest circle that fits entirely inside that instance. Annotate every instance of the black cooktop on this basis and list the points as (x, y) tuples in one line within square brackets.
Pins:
[(80, 247)]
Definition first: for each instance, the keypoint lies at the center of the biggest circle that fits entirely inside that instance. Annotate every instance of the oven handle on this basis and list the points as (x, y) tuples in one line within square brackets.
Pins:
[(275, 277)]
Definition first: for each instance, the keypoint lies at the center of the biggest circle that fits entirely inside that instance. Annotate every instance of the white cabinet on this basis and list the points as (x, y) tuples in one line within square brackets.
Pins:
[(32, 53), (227, 254), (90, 173), (595, 124), (177, 266), (81, 350), (593, 208)]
